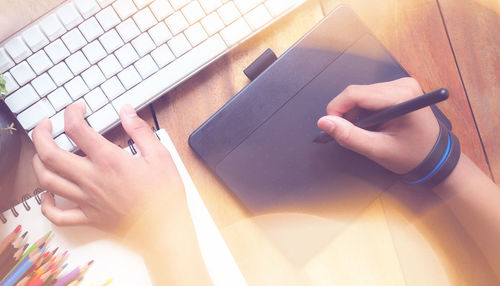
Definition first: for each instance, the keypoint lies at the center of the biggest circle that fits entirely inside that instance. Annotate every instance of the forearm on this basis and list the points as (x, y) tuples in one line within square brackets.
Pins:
[(166, 239), (475, 200)]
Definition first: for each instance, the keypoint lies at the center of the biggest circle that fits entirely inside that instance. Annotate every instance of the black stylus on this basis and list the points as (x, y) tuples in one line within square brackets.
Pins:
[(392, 112)]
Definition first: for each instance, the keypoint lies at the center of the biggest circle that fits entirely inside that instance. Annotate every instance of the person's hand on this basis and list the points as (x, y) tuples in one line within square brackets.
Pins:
[(109, 185), (400, 144)]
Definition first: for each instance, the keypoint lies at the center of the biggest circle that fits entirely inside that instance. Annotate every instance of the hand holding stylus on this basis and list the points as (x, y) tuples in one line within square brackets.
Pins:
[(400, 144)]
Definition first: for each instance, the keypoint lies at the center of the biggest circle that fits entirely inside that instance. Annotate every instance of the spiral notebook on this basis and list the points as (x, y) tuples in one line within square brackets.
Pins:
[(113, 260)]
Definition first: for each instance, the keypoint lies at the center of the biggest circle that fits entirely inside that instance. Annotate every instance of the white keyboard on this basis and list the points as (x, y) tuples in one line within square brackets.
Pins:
[(109, 53)]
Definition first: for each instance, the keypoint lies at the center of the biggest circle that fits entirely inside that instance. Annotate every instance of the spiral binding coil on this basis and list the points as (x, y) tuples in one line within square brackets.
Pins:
[(36, 193)]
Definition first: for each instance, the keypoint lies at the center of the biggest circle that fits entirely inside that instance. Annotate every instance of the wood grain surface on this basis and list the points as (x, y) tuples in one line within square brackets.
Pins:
[(424, 233), (474, 30)]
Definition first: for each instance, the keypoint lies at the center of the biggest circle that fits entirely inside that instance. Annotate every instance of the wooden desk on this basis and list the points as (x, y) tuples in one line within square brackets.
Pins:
[(443, 43)]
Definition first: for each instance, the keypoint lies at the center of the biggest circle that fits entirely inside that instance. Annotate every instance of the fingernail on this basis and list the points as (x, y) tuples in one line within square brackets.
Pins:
[(129, 110), (330, 124)]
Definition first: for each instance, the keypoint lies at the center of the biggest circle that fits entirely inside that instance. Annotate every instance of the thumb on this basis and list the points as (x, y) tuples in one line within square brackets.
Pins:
[(138, 130), (350, 136)]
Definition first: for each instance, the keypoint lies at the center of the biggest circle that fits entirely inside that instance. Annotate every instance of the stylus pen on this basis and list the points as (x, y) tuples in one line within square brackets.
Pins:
[(392, 112)]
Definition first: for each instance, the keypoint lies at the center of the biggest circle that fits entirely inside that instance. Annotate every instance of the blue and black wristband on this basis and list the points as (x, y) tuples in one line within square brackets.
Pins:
[(439, 163)]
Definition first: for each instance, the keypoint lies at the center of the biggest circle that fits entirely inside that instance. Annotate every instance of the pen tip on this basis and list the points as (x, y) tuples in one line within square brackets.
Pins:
[(323, 138)]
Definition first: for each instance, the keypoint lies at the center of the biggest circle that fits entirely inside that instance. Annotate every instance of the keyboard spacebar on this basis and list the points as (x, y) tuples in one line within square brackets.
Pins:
[(172, 73)]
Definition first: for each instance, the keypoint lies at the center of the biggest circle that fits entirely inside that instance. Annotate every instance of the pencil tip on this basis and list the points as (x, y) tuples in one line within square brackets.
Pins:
[(55, 250), (65, 252), (18, 228), (24, 234), (91, 262)]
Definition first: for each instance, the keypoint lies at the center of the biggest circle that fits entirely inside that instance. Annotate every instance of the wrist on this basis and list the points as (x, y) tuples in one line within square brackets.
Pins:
[(465, 176)]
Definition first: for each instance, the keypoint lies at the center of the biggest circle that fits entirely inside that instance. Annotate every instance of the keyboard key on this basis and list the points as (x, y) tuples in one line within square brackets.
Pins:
[(228, 13), (57, 51), (76, 88), (10, 83), (103, 118), (35, 38), (52, 27), (169, 75), (179, 45), (64, 143), (22, 73), (17, 49), (5, 61), (235, 32), (277, 7), (43, 84), (111, 41), (126, 55), (177, 4), (57, 123), (74, 40), (128, 30), (161, 9), (60, 74), (93, 77), (160, 33), (146, 66), (246, 5), (196, 34), (22, 98), (87, 7), (112, 88), (176, 23), (104, 3), (109, 66), (94, 52), (124, 8), (210, 5), (145, 19), (258, 17), (59, 99), (96, 99), (142, 3), (193, 12), (162, 55), (40, 62), (212, 23), (69, 16), (129, 77), (143, 44), (35, 113), (90, 29), (77, 63), (107, 18)]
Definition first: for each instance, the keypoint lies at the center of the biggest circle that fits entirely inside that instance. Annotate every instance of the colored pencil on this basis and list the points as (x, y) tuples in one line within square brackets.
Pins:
[(51, 279), (9, 264), (21, 269), (36, 245), (12, 247), (76, 282), (23, 282), (65, 280), (10, 238)]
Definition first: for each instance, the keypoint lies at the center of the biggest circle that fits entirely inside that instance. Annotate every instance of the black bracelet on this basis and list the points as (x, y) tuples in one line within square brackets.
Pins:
[(438, 164)]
